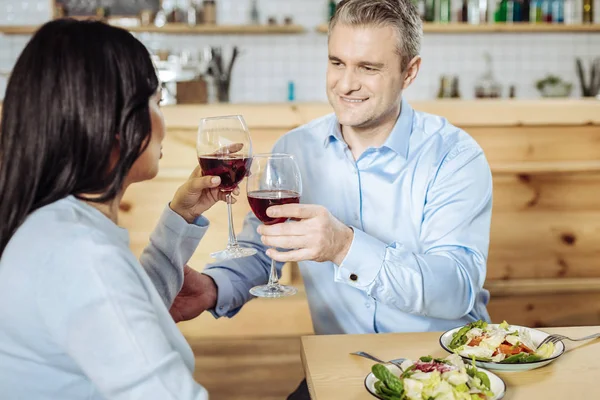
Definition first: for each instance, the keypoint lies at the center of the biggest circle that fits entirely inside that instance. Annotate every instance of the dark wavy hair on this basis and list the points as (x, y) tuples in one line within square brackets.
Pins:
[(78, 91)]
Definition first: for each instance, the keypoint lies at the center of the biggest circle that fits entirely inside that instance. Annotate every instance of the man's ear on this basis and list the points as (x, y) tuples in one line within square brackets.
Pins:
[(412, 69)]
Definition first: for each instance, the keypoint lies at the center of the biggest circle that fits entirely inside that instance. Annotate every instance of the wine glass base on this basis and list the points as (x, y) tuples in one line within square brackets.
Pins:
[(233, 252), (273, 291)]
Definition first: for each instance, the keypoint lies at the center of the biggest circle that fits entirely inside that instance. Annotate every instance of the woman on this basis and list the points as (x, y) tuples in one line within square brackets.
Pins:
[(80, 318)]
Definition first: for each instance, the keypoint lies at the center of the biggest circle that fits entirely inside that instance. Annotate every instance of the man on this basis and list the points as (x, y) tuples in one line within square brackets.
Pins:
[(393, 232)]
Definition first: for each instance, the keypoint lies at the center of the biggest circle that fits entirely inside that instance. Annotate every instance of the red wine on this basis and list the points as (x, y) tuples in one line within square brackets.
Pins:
[(260, 200), (230, 168)]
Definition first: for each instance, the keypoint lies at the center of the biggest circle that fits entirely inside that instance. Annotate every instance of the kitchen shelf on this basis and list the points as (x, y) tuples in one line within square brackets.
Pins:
[(499, 28), (182, 29)]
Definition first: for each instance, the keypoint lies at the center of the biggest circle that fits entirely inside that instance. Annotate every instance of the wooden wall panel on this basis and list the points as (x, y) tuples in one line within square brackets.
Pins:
[(538, 143), (547, 192), (573, 309), (545, 226), (545, 232)]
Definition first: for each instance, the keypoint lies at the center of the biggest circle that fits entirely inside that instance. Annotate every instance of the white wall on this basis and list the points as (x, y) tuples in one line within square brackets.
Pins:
[(269, 62)]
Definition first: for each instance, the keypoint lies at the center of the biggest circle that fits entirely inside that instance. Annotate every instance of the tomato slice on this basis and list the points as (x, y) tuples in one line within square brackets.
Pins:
[(475, 341)]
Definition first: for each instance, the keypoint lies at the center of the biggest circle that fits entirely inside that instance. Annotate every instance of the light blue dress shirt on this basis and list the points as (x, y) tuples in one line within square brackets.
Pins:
[(82, 318), (420, 206)]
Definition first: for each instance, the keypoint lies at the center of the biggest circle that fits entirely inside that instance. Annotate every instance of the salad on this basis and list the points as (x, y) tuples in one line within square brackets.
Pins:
[(497, 343), (433, 378)]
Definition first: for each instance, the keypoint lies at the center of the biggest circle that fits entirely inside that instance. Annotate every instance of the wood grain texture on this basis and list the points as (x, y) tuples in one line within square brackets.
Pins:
[(248, 369), (550, 309), (546, 192), (541, 286), (335, 374), (259, 318), (538, 143)]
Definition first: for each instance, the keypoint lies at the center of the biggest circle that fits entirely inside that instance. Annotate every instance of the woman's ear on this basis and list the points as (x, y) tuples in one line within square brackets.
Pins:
[(115, 151)]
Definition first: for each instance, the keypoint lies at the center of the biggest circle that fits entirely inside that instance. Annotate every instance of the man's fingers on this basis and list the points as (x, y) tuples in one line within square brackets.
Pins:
[(288, 256), (285, 242), (283, 229), (300, 211)]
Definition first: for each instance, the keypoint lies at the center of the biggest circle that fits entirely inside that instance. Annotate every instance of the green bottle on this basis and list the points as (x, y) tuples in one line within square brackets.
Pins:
[(429, 10), (332, 5), (444, 11), (500, 13)]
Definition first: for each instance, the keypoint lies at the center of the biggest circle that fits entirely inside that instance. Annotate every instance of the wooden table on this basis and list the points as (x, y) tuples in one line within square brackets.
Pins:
[(332, 373)]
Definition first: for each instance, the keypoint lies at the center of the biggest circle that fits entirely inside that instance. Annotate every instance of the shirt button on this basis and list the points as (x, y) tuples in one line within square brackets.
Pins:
[(367, 305), (353, 277)]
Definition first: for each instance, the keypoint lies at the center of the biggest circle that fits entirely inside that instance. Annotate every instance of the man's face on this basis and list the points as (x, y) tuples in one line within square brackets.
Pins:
[(364, 74)]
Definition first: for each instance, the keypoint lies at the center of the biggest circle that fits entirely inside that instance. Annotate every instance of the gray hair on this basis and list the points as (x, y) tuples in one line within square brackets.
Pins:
[(402, 15)]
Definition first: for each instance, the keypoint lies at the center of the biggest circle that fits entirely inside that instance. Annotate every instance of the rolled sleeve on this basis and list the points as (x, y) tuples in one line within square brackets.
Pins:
[(171, 246), (363, 262), (175, 223)]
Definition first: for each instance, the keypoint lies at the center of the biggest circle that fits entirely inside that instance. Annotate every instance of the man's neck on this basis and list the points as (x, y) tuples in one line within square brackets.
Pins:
[(360, 139)]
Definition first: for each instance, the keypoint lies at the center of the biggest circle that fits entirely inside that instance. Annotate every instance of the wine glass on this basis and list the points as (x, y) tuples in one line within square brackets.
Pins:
[(274, 180), (224, 149)]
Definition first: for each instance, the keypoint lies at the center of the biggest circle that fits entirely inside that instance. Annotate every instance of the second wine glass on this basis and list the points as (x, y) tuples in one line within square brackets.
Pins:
[(224, 149), (274, 180)]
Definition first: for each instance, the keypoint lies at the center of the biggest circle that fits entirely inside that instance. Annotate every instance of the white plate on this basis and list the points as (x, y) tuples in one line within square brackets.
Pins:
[(537, 337), (497, 385)]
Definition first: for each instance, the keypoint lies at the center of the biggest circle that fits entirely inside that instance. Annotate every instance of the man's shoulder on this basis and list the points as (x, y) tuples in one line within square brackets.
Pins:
[(314, 131), (439, 128)]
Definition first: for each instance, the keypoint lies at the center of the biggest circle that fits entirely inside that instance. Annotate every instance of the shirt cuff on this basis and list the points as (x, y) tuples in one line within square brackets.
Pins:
[(175, 223), (224, 293), (363, 262)]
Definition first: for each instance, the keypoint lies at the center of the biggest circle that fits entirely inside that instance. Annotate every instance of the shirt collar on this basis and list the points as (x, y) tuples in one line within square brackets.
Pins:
[(397, 141)]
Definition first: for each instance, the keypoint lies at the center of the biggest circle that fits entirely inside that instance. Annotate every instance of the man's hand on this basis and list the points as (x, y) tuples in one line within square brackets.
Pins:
[(316, 235), (198, 294)]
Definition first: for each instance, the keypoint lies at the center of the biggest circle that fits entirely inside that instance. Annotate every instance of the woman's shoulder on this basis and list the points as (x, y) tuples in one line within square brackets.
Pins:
[(65, 233)]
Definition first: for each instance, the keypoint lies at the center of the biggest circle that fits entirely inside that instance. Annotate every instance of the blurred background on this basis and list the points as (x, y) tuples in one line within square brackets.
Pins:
[(517, 43), (521, 76)]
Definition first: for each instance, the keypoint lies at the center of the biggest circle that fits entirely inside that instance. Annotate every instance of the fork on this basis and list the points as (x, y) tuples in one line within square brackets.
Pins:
[(554, 338), (397, 362)]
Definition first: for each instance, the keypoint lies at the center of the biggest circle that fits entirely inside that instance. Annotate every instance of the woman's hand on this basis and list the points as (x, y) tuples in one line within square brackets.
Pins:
[(198, 194)]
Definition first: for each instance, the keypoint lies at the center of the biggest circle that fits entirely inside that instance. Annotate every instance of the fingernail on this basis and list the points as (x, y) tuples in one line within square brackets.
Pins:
[(215, 179), (272, 212)]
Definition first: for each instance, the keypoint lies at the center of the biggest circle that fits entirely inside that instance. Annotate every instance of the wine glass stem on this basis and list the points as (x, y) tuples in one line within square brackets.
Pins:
[(232, 239), (273, 278)]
